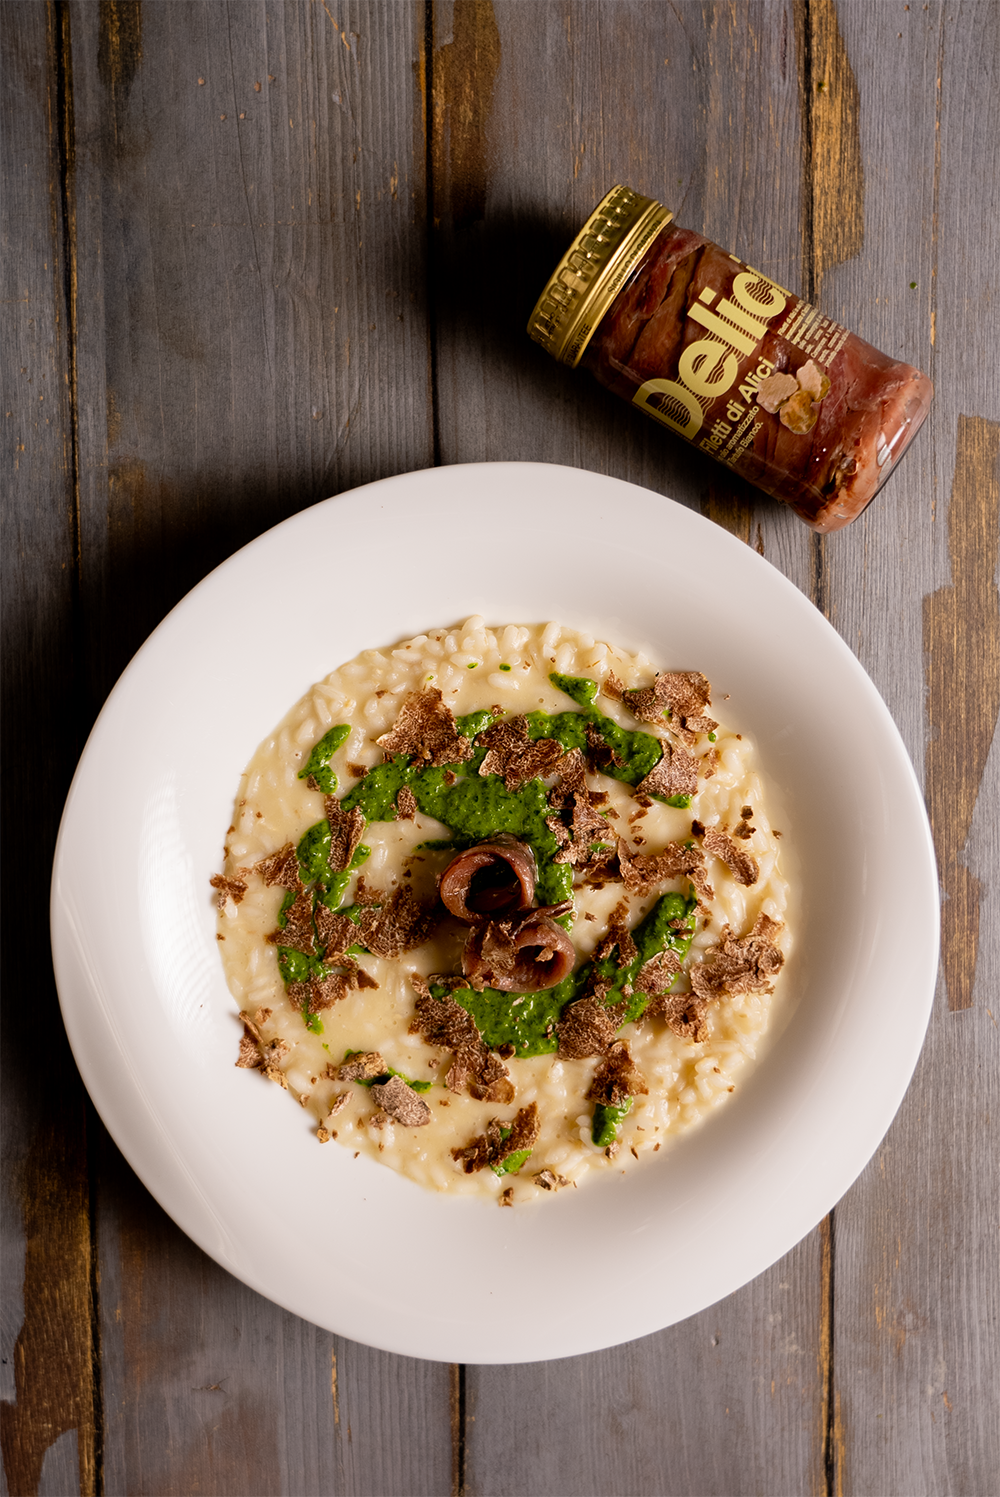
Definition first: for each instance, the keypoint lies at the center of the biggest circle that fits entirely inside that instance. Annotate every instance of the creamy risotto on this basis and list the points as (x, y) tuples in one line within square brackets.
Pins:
[(503, 907)]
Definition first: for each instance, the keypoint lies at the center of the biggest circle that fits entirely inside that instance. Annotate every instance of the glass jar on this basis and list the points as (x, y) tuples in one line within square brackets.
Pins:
[(724, 357)]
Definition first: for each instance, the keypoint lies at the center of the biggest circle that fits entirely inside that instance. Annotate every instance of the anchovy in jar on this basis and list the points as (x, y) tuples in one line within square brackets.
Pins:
[(724, 357)]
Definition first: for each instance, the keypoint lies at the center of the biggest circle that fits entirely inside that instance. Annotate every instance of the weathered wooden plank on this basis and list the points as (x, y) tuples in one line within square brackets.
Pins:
[(47, 1426), (729, 1401), (251, 336), (252, 330), (913, 591), (659, 96)]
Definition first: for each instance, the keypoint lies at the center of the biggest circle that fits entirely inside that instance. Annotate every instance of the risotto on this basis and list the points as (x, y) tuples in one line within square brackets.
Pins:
[(503, 907)]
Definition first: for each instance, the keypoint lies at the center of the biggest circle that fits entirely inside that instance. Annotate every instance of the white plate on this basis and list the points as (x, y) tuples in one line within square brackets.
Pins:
[(357, 1248)]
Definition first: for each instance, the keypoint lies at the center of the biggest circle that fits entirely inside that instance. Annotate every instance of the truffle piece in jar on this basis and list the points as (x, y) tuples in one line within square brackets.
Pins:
[(729, 360)]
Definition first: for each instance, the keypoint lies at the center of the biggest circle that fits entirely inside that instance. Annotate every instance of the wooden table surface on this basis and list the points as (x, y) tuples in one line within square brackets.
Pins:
[(256, 253)]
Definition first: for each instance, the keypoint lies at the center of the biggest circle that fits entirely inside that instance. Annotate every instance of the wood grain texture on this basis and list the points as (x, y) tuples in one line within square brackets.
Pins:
[(916, 1295), (464, 79), (54, 1392), (962, 653), (833, 191), (252, 332), (47, 1339)]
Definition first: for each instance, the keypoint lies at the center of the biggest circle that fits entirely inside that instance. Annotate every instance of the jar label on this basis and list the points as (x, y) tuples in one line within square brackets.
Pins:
[(725, 386)]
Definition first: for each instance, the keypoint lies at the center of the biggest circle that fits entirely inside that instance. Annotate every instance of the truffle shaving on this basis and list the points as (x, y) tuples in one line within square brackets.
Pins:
[(740, 964), (492, 1148), (484, 1073), (249, 1058), (675, 774), (364, 1066), (272, 1053), (644, 872), (426, 730), (280, 868), (227, 888), (587, 842), (399, 925), (685, 694), (346, 829), (548, 1180), (600, 754), (443, 1022), (659, 974), (326, 991), (618, 935), (320, 993), (617, 1078), (683, 1013), (511, 753), (406, 803), (401, 1102), (336, 932), (587, 1027), (297, 931), (742, 866)]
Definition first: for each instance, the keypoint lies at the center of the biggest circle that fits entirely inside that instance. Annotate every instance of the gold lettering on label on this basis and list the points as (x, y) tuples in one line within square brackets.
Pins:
[(707, 369), (724, 330), (667, 401), (720, 373), (747, 290), (741, 317)]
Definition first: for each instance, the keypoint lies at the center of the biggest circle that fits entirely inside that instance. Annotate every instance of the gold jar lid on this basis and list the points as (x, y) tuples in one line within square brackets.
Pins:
[(593, 270)]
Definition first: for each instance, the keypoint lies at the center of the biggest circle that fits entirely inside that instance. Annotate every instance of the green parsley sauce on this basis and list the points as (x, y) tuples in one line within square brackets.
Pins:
[(318, 763), (476, 806), (512, 1163), (607, 1121), (637, 752)]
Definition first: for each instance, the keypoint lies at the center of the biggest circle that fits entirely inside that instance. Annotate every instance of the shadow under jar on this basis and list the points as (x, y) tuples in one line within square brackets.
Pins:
[(723, 356)]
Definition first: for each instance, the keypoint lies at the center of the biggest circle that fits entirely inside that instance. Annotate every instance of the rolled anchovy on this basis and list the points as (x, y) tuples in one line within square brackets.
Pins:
[(492, 879), (519, 955)]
